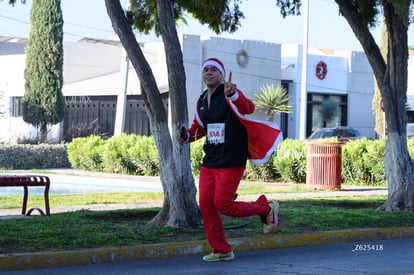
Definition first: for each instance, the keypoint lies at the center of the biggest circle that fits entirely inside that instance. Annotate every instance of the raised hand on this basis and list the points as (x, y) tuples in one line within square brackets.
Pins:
[(182, 135), (229, 88)]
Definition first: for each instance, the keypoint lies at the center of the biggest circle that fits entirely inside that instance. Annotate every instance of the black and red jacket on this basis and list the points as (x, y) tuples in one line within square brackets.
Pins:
[(232, 151), (242, 137)]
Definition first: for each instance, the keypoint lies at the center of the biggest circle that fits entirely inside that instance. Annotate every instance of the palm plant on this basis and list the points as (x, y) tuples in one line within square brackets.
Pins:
[(272, 99)]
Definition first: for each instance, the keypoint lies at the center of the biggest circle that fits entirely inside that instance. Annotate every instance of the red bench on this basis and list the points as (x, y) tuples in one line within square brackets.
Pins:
[(25, 181)]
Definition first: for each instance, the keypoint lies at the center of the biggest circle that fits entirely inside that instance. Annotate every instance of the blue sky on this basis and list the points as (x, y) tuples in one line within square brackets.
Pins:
[(88, 18)]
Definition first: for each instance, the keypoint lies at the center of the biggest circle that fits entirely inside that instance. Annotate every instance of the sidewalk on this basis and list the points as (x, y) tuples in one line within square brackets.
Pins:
[(277, 241)]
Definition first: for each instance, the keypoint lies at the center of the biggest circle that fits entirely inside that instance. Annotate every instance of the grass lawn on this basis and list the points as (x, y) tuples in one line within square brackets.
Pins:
[(88, 229)]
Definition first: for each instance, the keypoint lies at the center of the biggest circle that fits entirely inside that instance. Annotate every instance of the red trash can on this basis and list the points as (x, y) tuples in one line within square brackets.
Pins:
[(324, 164)]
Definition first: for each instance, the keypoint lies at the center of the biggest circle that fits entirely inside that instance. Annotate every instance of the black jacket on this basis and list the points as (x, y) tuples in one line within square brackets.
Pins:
[(233, 152)]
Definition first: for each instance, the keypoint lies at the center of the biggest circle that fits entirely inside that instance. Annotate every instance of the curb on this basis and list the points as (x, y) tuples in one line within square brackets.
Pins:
[(25, 261)]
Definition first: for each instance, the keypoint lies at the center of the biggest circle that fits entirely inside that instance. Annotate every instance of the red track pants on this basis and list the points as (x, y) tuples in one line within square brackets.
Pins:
[(217, 189)]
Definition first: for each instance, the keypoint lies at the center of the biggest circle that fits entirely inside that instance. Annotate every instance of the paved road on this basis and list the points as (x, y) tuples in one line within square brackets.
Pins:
[(383, 257)]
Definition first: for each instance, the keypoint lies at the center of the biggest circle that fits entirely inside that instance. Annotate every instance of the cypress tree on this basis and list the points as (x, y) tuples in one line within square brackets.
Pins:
[(43, 102)]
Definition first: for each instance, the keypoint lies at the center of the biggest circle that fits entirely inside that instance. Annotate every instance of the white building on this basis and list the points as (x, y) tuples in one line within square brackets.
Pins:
[(252, 63), (95, 70), (348, 82)]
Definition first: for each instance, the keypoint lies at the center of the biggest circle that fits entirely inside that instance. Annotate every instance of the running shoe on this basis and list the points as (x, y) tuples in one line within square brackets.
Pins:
[(270, 224), (215, 257)]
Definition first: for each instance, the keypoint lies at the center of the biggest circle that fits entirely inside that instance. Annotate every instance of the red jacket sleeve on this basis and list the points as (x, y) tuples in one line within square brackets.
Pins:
[(196, 131), (243, 104)]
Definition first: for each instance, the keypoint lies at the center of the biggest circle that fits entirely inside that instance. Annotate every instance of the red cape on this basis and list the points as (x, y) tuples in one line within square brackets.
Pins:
[(263, 137)]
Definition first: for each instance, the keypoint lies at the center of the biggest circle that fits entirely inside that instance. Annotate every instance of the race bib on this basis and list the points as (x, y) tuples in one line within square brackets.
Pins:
[(215, 133)]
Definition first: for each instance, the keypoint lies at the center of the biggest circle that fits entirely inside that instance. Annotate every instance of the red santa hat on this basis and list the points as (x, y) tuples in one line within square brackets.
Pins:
[(216, 63)]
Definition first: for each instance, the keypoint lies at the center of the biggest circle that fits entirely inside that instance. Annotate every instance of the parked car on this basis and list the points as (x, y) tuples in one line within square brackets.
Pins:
[(341, 132)]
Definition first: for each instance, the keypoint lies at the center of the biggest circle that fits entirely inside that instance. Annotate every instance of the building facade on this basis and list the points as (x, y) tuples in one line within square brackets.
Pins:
[(339, 88)]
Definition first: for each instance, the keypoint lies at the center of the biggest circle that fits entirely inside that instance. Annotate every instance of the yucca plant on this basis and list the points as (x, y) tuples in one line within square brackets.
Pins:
[(272, 99)]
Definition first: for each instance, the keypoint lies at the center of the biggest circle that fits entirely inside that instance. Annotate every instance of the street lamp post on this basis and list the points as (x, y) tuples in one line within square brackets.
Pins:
[(303, 93)]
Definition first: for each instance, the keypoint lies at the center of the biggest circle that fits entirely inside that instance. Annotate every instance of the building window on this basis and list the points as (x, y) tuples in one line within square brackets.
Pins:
[(410, 116), (17, 106), (326, 110)]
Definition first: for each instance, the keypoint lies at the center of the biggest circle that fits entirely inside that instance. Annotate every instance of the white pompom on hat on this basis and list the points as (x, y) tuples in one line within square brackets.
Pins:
[(216, 63)]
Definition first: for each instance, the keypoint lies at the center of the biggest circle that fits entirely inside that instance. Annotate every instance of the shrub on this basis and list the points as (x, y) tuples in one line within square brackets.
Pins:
[(115, 156), (263, 172), (144, 156), (27, 156), (354, 168), (86, 153), (196, 156), (290, 160), (410, 145), (363, 161), (51, 155), (374, 159), (126, 153)]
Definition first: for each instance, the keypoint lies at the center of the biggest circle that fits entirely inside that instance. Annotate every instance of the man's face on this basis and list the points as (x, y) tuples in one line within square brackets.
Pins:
[(212, 77)]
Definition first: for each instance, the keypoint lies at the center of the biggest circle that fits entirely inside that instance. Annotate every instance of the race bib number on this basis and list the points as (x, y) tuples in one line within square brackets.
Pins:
[(215, 133)]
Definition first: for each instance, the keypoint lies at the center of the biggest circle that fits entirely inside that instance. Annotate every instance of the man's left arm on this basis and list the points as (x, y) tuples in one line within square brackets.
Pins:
[(243, 104)]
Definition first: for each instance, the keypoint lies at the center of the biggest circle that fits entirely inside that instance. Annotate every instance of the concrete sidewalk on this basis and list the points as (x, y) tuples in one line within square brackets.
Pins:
[(277, 241)]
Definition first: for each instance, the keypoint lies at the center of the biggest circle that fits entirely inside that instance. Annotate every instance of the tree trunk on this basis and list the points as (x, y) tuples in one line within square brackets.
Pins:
[(391, 77), (400, 174), (270, 116), (179, 206), (399, 167), (376, 100), (183, 195), (43, 132)]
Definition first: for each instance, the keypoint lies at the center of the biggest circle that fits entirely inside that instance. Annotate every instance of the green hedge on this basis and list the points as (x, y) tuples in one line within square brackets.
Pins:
[(362, 160), (86, 153), (196, 156), (290, 160), (26, 156), (127, 154)]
